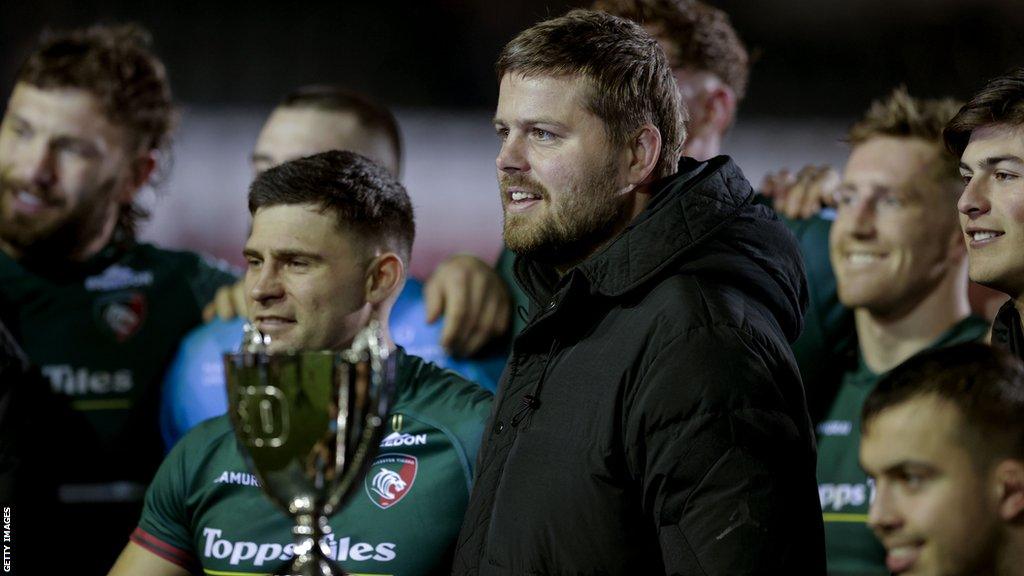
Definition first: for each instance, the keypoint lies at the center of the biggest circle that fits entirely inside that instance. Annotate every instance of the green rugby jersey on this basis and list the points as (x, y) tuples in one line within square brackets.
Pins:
[(205, 509), (828, 334), (102, 331), (844, 489)]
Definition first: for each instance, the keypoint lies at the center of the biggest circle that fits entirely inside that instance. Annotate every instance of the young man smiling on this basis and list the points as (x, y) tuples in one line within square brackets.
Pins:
[(900, 266), (987, 134), (651, 418), (943, 440)]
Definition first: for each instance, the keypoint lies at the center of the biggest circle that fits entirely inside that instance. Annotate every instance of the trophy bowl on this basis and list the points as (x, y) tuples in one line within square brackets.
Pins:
[(307, 425)]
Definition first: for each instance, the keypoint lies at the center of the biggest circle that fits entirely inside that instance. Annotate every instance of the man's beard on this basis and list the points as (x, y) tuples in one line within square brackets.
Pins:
[(587, 216), (62, 238)]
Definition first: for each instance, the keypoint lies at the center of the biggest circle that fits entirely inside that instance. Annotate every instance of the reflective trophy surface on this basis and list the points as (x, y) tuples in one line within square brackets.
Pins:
[(308, 424)]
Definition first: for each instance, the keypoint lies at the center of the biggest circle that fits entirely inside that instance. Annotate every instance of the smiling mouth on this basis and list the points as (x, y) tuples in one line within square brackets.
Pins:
[(27, 202), (981, 236), (902, 558), (520, 200), (863, 258), (521, 196)]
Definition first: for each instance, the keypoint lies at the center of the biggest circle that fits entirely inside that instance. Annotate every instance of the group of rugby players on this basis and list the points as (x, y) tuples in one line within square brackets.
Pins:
[(682, 360)]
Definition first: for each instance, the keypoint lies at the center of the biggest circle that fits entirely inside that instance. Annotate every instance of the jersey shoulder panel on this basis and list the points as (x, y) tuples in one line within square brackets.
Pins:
[(445, 400), (203, 274)]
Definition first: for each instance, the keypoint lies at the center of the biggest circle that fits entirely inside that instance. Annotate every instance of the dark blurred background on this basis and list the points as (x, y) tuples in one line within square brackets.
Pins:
[(818, 65)]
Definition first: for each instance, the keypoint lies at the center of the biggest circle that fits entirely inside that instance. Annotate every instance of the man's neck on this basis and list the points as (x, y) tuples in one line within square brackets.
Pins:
[(885, 342)]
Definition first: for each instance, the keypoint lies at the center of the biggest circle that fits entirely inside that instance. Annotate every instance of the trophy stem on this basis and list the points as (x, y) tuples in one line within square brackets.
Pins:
[(312, 556)]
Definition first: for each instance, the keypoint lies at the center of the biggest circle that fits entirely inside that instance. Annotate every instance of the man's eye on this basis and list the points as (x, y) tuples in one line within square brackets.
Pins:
[(845, 198), (502, 133), (913, 481), (966, 178), (542, 135), (298, 264), (890, 201), (77, 148), (21, 131), (253, 262), (1004, 176)]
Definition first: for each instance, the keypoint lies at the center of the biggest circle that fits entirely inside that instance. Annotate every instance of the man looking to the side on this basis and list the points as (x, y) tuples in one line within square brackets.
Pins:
[(98, 312), (943, 440), (711, 67), (651, 419), (987, 135), (900, 266), (330, 243)]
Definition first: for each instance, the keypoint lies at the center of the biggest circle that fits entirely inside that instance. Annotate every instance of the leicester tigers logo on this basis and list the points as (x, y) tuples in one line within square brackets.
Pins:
[(390, 479), (387, 484)]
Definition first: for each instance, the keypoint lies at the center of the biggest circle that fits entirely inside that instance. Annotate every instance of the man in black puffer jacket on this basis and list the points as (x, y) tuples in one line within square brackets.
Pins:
[(651, 419)]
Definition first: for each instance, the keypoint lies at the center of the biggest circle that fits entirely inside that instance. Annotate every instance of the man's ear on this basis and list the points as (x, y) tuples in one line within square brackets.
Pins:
[(1009, 477), (719, 108), (140, 171), (644, 153), (384, 278)]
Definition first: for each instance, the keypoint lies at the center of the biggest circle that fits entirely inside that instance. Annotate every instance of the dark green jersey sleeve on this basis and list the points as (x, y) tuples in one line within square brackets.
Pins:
[(520, 302), (828, 337)]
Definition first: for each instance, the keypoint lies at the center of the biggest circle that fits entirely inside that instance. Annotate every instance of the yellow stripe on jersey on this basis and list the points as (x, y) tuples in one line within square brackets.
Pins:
[(101, 404), (834, 517)]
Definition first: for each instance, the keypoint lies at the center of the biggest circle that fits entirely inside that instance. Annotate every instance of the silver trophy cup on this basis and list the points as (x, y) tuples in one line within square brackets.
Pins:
[(308, 425)]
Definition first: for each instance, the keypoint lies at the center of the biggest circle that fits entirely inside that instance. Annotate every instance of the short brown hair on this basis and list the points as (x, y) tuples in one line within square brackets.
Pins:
[(372, 115), (117, 66), (902, 115), (631, 82), (986, 385), (1001, 101), (697, 35), (365, 198)]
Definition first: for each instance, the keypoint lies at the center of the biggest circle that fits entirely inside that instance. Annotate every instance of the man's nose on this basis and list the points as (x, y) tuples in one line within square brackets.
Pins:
[(266, 285), (512, 156), (883, 514), (974, 200), (862, 215), (34, 162)]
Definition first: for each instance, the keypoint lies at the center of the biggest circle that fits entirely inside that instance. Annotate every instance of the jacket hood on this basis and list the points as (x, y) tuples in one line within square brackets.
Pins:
[(699, 221)]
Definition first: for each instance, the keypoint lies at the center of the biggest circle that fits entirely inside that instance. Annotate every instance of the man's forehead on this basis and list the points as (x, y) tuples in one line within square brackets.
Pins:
[(296, 132), (895, 158), (994, 141), (310, 125), (538, 96), (62, 111), (921, 429)]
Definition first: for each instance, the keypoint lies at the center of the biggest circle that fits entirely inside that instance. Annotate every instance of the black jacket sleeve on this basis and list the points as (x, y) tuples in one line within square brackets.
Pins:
[(725, 467)]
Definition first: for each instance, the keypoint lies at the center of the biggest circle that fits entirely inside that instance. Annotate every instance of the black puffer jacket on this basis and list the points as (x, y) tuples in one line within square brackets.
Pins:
[(651, 418)]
